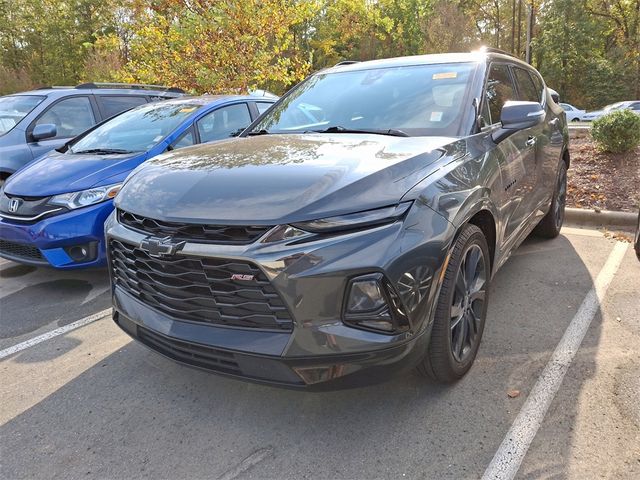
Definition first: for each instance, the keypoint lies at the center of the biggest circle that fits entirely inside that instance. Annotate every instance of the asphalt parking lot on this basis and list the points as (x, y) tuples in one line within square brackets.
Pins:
[(90, 403)]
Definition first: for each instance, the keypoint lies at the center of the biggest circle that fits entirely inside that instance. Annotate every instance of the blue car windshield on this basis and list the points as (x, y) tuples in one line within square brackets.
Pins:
[(414, 100), (136, 130), (14, 108)]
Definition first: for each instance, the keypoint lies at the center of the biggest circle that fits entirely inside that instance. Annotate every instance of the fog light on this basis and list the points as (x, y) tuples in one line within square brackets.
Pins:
[(85, 252), (365, 296), (367, 305)]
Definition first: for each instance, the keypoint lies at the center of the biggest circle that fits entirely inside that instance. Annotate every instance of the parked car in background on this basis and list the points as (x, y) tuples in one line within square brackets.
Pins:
[(52, 211), (573, 114), (36, 122), (633, 105), (352, 231)]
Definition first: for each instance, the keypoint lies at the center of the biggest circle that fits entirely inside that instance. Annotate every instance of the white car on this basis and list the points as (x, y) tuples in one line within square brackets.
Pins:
[(633, 105), (573, 114)]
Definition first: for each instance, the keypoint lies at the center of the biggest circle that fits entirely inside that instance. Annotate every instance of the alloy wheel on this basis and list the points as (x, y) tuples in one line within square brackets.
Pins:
[(467, 306), (561, 197)]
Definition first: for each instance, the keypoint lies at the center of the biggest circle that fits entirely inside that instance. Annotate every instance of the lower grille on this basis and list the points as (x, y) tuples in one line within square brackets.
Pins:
[(197, 355), (200, 289), (20, 250)]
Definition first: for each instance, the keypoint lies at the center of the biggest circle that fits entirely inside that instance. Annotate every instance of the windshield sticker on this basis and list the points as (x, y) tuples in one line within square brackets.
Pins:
[(157, 139), (443, 75), (436, 116), (187, 109)]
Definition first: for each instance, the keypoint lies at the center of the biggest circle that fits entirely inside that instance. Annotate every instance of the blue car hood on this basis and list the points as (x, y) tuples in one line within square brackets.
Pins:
[(57, 173)]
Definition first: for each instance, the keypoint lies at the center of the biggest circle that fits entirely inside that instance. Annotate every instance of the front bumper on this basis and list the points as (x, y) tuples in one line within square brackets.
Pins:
[(320, 351), (327, 372), (51, 235)]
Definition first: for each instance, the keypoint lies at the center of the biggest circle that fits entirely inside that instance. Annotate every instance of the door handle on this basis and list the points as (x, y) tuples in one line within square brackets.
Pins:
[(531, 141)]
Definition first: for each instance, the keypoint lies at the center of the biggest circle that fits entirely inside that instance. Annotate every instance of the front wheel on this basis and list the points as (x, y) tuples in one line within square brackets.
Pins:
[(461, 309), (551, 223)]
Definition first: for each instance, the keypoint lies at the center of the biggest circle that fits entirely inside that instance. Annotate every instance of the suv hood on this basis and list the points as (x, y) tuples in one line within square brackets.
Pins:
[(273, 179), (56, 173)]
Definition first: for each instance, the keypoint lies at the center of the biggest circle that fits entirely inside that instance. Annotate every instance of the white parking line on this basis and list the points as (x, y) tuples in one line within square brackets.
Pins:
[(54, 333), (507, 460)]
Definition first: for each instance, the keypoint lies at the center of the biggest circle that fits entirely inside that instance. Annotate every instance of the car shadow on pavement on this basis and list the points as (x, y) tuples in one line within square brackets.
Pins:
[(136, 414), (39, 297)]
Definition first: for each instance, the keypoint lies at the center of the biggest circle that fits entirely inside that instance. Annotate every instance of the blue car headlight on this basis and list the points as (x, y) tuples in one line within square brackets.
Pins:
[(85, 198)]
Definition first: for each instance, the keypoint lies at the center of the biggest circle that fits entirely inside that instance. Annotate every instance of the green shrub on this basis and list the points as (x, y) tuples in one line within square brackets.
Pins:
[(618, 131)]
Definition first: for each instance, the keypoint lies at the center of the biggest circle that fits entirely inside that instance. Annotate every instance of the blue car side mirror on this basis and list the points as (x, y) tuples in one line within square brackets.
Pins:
[(44, 131)]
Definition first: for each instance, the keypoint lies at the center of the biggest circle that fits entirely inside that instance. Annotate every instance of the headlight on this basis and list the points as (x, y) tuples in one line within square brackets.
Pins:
[(369, 218), (91, 196)]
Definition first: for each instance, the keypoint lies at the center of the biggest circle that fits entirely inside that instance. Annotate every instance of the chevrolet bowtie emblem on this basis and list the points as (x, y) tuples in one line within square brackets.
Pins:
[(160, 247)]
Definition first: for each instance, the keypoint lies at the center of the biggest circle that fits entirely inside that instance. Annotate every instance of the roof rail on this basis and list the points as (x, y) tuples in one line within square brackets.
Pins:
[(495, 50), (133, 86), (50, 87), (346, 62)]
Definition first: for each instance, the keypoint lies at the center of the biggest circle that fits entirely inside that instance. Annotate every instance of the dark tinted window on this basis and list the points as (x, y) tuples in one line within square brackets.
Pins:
[(224, 122), (71, 116), (499, 90), (539, 86), (526, 87), (635, 106), (112, 105), (263, 107)]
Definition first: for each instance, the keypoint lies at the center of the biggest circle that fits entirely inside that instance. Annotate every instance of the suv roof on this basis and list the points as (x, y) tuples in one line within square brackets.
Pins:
[(108, 89), (476, 57)]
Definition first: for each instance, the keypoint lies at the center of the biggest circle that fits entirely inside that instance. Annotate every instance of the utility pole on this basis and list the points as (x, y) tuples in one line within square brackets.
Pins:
[(529, 33), (513, 25), (519, 49)]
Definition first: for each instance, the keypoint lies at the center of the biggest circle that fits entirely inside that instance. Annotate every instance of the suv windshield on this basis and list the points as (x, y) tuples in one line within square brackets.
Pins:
[(136, 130), (15, 108), (414, 100)]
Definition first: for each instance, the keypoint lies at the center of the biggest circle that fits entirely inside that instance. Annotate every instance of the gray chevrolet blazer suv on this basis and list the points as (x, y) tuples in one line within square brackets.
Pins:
[(351, 232)]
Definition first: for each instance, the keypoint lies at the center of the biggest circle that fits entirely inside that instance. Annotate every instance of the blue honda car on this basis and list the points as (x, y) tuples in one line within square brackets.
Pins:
[(52, 211)]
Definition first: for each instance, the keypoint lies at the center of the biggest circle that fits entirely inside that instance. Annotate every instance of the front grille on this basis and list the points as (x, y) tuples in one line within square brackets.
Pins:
[(200, 289), (20, 250), (221, 234), (198, 355)]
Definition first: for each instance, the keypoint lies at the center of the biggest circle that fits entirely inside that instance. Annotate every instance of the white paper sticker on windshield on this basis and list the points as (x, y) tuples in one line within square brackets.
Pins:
[(157, 139), (436, 116)]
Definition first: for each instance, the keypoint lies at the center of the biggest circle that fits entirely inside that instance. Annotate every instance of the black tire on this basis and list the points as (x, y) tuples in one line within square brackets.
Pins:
[(575, 119), (444, 361), (551, 223)]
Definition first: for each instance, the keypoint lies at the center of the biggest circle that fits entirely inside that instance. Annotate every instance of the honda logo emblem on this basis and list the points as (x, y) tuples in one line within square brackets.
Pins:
[(14, 204), (160, 247)]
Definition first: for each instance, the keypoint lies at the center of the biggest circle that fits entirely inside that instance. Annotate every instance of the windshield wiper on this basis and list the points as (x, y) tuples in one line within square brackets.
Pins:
[(339, 129), (104, 151), (258, 132)]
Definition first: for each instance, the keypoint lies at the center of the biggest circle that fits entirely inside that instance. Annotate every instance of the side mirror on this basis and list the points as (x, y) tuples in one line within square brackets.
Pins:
[(518, 116), (44, 131), (554, 95)]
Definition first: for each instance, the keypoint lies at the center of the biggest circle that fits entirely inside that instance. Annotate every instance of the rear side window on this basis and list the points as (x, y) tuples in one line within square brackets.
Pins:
[(224, 122), (71, 116), (500, 89), (112, 105), (526, 87)]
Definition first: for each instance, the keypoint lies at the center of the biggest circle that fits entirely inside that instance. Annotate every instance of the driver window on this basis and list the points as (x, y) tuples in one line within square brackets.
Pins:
[(71, 116), (224, 122), (499, 89)]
